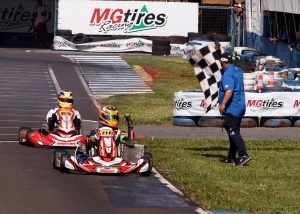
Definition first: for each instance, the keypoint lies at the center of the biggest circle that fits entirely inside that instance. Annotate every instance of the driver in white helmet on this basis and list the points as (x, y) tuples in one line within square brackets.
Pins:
[(64, 117)]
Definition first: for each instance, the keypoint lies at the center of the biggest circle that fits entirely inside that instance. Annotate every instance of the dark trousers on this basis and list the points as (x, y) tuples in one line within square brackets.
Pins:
[(232, 125)]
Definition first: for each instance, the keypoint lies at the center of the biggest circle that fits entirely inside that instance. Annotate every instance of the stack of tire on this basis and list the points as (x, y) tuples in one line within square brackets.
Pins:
[(249, 81), (161, 47), (66, 34)]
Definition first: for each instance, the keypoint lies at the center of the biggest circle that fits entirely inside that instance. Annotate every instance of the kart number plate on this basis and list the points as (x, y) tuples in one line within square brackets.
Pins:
[(107, 170)]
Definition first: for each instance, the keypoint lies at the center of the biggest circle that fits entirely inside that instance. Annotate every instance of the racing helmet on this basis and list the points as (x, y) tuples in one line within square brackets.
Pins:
[(109, 116), (65, 99)]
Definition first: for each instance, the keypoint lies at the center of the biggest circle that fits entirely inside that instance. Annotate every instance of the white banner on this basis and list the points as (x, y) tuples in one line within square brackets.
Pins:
[(134, 18), (272, 104), (118, 45), (16, 15)]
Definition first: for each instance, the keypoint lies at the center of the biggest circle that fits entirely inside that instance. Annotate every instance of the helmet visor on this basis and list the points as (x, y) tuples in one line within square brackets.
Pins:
[(65, 100), (111, 117)]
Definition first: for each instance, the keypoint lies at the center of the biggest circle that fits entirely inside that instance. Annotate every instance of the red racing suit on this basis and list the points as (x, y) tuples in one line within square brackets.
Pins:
[(64, 119)]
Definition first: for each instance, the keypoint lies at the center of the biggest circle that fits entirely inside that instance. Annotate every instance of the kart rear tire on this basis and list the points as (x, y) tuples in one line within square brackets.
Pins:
[(28, 131), (63, 159), (56, 158), (149, 159)]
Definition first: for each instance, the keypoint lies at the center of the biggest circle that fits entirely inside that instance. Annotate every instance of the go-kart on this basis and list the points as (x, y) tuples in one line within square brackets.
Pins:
[(107, 158), (44, 138), (63, 135)]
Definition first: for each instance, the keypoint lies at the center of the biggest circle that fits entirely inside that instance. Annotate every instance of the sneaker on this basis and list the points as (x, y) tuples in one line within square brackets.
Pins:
[(243, 160), (229, 160)]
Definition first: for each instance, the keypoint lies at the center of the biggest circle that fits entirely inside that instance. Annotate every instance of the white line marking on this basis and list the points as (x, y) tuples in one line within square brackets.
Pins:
[(55, 82), (174, 189), (88, 91), (28, 121), (8, 141)]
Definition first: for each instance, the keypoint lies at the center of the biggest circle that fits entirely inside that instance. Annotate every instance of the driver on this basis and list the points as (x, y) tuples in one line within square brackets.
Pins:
[(64, 117), (108, 117)]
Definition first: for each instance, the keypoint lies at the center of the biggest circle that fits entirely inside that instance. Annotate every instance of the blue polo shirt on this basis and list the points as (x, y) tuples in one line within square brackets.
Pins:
[(232, 79)]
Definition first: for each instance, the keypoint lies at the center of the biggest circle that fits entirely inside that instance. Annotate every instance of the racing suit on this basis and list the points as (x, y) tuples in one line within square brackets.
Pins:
[(63, 119), (92, 143)]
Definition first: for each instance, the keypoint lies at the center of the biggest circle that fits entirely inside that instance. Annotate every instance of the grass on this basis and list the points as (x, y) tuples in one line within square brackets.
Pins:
[(271, 182), (156, 108)]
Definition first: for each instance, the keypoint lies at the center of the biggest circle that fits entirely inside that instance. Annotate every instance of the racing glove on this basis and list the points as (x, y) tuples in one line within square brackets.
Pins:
[(77, 124), (51, 122)]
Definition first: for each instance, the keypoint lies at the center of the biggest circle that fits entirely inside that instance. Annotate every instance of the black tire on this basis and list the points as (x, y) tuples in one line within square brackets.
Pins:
[(275, 89), (56, 158), (24, 131), (160, 42), (64, 32), (63, 159), (193, 35), (177, 39), (185, 121), (248, 122), (210, 121), (149, 159), (79, 38), (161, 50), (276, 122)]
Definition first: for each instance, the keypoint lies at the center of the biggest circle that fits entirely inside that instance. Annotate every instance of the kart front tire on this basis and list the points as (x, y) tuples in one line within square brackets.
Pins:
[(23, 140), (63, 159), (149, 159), (56, 158)]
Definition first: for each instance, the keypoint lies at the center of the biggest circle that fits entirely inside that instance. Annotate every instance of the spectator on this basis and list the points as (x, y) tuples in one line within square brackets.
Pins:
[(40, 16), (232, 106)]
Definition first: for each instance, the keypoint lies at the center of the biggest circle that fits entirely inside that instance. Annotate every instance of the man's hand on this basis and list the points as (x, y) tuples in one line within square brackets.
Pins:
[(222, 108)]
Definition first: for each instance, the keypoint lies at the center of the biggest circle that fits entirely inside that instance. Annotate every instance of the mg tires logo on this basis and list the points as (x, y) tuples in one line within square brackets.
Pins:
[(131, 20)]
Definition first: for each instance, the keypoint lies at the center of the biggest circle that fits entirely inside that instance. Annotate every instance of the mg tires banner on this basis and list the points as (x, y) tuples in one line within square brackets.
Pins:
[(16, 15), (118, 45), (275, 104), (132, 18)]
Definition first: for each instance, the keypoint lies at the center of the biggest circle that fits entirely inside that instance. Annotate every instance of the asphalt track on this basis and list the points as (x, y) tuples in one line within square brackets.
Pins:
[(29, 184)]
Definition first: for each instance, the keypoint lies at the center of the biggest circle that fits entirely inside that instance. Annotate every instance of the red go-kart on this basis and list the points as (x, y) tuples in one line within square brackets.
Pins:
[(107, 158), (64, 135), (43, 138)]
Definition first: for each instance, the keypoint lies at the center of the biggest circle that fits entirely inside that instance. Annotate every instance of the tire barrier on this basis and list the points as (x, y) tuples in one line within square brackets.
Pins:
[(161, 42), (185, 121), (177, 39), (248, 122), (79, 38), (275, 89), (161, 47), (210, 122), (66, 34), (276, 122), (161, 50), (296, 122)]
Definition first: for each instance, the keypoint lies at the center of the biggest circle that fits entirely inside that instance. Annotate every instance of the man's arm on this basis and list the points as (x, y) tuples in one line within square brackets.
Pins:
[(226, 98)]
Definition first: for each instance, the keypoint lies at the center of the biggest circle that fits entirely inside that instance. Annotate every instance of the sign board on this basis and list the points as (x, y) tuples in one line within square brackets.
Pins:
[(16, 15), (257, 104), (131, 18)]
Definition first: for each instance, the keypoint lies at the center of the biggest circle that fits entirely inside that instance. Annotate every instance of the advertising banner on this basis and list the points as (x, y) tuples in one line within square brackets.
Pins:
[(257, 104), (16, 16), (133, 18), (118, 45)]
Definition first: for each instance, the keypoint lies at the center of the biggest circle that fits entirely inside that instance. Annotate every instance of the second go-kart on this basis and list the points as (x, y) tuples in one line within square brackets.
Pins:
[(107, 158), (64, 135)]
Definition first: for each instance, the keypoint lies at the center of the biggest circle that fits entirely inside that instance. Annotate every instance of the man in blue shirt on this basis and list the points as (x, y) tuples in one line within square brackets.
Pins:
[(232, 106)]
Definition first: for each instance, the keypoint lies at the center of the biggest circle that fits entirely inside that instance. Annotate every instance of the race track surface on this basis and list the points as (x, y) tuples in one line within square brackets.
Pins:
[(29, 184)]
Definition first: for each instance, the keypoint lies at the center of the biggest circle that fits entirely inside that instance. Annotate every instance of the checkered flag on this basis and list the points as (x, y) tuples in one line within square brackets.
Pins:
[(207, 68)]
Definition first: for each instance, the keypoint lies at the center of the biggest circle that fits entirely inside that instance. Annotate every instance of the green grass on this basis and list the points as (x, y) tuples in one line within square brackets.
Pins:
[(269, 184), (156, 108)]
